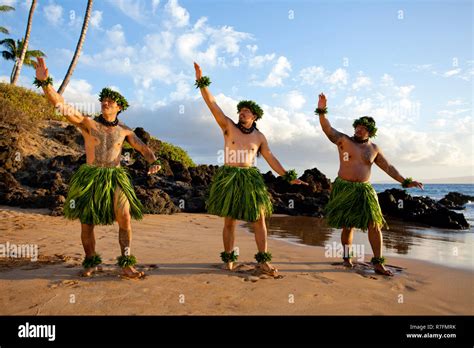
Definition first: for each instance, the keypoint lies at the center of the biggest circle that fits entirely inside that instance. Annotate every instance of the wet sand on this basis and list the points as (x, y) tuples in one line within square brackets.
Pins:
[(180, 255)]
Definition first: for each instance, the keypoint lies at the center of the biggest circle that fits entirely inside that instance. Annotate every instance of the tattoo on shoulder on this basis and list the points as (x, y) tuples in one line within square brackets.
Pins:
[(336, 136), (124, 126)]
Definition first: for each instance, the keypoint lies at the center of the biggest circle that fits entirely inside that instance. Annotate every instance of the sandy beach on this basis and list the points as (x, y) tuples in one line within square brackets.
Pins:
[(180, 255)]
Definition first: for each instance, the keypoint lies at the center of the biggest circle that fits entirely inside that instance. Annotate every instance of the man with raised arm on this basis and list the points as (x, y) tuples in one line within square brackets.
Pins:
[(238, 191), (353, 202), (100, 191)]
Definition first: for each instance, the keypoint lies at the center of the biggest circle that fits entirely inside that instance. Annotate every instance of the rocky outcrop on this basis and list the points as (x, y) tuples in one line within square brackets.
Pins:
[(400, 204), (456, 200)]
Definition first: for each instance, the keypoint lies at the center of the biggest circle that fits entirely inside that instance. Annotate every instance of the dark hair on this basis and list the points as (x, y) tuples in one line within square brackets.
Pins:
[(115, 96), (252, 106), (368, 122)]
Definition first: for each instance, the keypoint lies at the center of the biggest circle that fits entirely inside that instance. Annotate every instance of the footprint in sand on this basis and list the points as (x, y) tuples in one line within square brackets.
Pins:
[(63, 283), (366, 270), (248, 272)]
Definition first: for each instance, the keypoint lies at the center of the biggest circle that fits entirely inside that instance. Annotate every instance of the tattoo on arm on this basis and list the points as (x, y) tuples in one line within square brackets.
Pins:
[(141, 147), (334, 135)]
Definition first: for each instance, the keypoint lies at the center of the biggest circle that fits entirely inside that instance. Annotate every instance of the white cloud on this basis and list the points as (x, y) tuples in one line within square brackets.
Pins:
[(361, 81), (23, 81), (279, 72), (319, 75), (453, 112), (79, 94), (9, 2), (219, 43), (154, 6), (452, 72), (258, 61), (183, 90), (456, 102), (135, 9), (252, 48), (416, 67), (96, 19), (294, 100), (116, 35), (311, 75), (179, 15), (159, 44), (53, 13), (187, 46), (338, 77)]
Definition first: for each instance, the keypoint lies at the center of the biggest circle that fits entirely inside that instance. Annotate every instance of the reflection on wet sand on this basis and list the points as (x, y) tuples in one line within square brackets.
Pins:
[(414, 241)]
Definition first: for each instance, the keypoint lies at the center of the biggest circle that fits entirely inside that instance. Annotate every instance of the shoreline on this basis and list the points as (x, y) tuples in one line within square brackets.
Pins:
[(180, 254), (357, 235)]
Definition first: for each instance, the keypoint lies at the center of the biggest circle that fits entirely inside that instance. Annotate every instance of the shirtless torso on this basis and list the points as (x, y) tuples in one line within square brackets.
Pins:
[(240, 148), (103, 144), (355, 160)]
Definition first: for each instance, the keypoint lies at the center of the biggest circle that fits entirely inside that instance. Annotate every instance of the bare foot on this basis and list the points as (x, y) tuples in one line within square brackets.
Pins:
[(87, 272), (131, 272), (348, 263), (380, 269), (229, 266), (267, 268)]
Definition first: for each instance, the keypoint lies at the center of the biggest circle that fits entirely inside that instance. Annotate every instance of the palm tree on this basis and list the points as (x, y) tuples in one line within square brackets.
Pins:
[(13, 52), (19, 63), (5, 8), (77, 53)]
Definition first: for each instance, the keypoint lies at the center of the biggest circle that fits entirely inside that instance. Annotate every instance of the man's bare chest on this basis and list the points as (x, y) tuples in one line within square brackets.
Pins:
[(360, 153), (235, 139)]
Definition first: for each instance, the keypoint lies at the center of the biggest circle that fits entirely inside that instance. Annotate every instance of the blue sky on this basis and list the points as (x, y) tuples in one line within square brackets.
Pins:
[(407, 63)]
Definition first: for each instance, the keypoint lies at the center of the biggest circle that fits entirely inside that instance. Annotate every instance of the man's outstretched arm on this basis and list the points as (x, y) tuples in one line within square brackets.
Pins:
[(71, 114), (141, 147), (217, 112), (388, 168), (273, 162), (332, 134)]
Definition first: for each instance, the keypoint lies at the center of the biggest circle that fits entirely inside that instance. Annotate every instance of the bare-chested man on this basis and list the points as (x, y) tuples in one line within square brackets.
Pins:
[(238, 191), (101, 192), (353, 202)]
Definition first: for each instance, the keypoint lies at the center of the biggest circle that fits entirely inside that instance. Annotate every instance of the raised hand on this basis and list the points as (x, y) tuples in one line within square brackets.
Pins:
[(42, 72), (198, 71), (322, 101)]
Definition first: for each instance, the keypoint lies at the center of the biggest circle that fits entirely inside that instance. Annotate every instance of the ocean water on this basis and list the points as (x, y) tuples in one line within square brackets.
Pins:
[(453, 248), (438, 191)]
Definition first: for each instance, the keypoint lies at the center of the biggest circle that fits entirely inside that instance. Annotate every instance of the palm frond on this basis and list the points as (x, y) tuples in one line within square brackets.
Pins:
[(6, 8), (9, 43), (7, 55)]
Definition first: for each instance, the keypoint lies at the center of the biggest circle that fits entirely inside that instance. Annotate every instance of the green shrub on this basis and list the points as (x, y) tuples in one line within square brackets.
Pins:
[(175, 153)]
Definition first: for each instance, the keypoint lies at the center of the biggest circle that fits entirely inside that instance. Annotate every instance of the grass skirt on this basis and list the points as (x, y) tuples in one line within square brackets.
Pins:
[(91, 195), (239, 193), (353, 204)]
